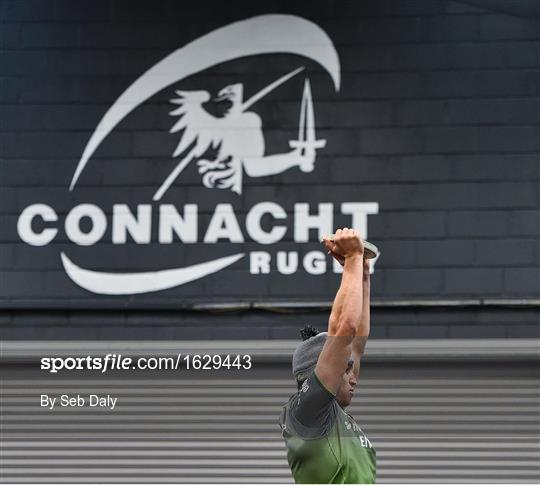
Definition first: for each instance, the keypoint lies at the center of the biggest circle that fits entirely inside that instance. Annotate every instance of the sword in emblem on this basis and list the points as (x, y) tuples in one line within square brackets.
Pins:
[(307, 140)]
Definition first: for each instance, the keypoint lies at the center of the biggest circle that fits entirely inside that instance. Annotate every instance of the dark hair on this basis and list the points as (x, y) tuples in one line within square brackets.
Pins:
[(308, 331)]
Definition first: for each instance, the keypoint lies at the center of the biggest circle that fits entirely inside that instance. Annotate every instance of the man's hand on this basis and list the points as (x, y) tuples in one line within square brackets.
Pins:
[(329, 245), (346, 243)]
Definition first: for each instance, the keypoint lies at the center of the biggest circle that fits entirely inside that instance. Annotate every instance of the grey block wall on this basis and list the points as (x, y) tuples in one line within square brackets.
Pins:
[(437, 120)]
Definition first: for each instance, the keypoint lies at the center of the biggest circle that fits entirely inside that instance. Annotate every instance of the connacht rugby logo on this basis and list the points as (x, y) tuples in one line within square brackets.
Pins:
[(238, 135), (236, 138)]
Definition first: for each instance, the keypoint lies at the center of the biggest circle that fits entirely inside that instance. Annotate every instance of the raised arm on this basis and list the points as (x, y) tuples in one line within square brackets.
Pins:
[(345, 317), (362, 332)]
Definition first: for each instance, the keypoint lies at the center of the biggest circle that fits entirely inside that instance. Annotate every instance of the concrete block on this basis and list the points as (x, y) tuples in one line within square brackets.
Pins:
[(524, 223), (477, 223), (473, 282), (522, 281), (10, 36), (390, 141), (504, 26), (493, 111), (7, 260), (49, 36), (477, 56), (22, 284), (385, 85), (450, 140), (420, 112), (409, 224), (445, 252), (97, 10), (27, 11), (412, 282), (506, 139), (506, 252)]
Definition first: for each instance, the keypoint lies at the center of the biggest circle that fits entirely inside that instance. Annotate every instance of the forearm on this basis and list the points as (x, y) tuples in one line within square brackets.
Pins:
[(337, 307), (363, 329), (362, 333), (348, 304)]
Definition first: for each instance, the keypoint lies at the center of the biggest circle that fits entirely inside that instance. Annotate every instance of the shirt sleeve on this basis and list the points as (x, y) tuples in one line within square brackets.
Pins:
[(313, 408)]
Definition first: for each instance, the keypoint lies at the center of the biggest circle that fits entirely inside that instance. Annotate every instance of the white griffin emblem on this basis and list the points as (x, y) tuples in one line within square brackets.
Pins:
[(236, 138)]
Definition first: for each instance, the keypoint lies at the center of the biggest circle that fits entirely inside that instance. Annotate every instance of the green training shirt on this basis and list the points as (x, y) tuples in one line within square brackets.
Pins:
[(324, 443)]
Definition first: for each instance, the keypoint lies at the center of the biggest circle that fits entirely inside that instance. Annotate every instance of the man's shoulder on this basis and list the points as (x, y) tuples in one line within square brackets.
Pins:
[(311, 412)]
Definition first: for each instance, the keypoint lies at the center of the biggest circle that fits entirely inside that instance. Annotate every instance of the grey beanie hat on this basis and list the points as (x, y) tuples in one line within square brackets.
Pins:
[(306, 355)]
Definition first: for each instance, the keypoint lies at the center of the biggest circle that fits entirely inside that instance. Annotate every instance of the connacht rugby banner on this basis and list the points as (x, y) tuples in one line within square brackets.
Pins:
[(217, 195), (200, 158)]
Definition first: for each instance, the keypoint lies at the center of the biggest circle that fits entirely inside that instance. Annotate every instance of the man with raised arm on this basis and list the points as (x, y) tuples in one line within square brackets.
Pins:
[(324, 443)]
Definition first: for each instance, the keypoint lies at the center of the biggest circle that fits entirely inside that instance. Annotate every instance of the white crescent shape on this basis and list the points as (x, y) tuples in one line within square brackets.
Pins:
[(137, 283), (264, 34)]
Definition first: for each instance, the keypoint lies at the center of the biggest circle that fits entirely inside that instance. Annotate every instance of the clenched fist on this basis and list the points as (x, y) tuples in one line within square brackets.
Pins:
[(345, 243)]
